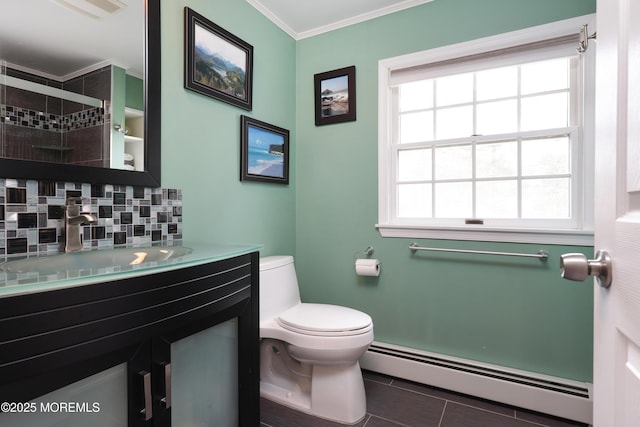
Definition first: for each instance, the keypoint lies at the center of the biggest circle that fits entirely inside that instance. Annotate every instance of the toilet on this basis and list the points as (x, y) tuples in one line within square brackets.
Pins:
[(309, 352)]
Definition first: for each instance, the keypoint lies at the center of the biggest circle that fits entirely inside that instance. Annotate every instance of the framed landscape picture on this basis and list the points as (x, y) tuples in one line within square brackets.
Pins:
[(217, 63), (335, 96), (264, 152)]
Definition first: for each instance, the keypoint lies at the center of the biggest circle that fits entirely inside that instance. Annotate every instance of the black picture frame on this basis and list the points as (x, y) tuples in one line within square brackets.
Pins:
[(335, 96), (217, 63), (261, 158)]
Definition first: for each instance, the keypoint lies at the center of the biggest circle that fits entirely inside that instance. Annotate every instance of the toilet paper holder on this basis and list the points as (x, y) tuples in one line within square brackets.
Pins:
[(367, 266), (367, 252)]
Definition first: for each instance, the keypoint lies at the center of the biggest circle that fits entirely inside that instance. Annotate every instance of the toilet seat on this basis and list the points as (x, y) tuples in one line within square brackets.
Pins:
[(325, 320)]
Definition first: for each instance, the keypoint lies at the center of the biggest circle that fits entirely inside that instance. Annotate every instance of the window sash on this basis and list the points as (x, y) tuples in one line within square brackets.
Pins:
[(432, 111), (573, 173), (467, 187), (576, 230), (555, 47)]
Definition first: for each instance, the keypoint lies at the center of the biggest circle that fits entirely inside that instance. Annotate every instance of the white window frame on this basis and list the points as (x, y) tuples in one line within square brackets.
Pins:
[(390, 226)]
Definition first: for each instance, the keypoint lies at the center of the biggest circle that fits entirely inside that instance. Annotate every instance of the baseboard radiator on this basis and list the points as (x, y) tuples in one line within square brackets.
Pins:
[(550, 395)]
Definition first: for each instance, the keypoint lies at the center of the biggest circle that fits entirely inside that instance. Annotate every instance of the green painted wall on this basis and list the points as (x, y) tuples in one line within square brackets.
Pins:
[(118, 100), (135, 93), (201, 135), (511, 312)]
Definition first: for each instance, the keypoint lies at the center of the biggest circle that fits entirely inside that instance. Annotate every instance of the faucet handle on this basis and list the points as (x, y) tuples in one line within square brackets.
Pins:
[(74, 200)]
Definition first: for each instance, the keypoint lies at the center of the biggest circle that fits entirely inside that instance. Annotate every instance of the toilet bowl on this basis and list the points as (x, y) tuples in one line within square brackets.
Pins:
[(309, 352)]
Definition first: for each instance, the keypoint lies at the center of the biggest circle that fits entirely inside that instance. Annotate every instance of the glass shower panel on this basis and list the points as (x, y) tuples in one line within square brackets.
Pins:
[(204, 378)]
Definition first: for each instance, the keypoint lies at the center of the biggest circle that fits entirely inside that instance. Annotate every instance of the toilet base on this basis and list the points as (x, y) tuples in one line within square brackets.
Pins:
[(335, 393)]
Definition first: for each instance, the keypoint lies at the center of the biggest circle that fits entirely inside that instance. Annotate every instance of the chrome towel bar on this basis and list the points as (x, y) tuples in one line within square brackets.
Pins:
[(541, 254)]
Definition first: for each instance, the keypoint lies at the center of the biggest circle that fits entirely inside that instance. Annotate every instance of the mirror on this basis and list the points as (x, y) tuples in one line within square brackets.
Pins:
[(149, 70)]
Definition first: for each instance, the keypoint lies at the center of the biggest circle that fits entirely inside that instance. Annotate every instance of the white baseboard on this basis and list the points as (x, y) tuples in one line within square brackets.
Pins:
[(542, 393)]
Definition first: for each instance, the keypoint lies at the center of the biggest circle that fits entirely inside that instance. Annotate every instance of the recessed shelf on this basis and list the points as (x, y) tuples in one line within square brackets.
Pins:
[(52, 147)]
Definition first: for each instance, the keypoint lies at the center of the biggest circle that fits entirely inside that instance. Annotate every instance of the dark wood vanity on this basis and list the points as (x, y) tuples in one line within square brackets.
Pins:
[(54, 338)]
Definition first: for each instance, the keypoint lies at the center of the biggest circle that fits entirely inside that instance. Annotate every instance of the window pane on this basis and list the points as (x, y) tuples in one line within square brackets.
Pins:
[(453, 162), (456, 122), (545, 76), (545, 112), (414, 201), (498, 159), (416, 127), (497, 199), (546, 156), (414, 165), (497, 117), (472, 152), (453, 200), (546, 198), (454, 90), (416, 95), (497, 83)]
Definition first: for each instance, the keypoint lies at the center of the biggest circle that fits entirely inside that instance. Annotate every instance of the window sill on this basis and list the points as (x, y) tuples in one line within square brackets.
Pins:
[(555, 237)]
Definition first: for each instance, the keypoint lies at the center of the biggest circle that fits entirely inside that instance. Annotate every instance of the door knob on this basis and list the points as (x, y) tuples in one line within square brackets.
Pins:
[(577, 267)]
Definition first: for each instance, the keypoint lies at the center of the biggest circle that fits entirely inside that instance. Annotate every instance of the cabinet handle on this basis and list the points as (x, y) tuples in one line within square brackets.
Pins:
[(166, 400), (147, 411)]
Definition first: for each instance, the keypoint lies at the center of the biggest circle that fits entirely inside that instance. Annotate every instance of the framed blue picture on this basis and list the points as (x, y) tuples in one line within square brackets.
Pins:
[(264, 152)]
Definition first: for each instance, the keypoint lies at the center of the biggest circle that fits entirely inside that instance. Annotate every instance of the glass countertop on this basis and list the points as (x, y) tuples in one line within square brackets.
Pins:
[(27, 274)]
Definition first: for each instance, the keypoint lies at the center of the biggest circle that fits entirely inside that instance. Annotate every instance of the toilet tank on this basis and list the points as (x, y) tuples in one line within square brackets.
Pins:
[(278, 286)]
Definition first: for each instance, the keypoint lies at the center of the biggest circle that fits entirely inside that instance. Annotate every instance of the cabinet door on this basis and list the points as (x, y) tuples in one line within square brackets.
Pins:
[(203, 374), (204, 377), (97, 401), (149, 387), (139, 387)]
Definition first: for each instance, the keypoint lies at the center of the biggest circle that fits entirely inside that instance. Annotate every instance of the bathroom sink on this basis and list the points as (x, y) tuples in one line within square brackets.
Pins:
[(95, 259)]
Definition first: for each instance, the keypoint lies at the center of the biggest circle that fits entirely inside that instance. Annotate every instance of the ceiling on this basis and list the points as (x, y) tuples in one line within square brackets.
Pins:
[(42, 36), (59, 43), (306, 18)]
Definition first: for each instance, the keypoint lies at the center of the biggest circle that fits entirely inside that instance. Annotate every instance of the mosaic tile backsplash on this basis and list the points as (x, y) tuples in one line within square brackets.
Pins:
[(32, 215), (24, 117)]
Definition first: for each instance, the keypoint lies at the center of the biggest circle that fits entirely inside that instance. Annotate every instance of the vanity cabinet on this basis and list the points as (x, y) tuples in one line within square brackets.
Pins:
[(142, 326)]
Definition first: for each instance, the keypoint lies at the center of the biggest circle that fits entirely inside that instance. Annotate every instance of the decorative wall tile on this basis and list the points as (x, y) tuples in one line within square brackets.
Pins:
[(17, 116), (32, 215)]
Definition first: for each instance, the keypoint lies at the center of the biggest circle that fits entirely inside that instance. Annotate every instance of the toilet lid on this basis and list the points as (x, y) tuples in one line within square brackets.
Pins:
[(324, 319)]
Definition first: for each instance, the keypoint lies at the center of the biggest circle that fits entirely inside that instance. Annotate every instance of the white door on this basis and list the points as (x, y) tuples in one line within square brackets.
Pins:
[(617, 198)]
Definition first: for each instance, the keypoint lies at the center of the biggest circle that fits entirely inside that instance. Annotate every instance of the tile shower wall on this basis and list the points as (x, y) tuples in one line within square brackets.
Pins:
[(32, 215), (65, 131)]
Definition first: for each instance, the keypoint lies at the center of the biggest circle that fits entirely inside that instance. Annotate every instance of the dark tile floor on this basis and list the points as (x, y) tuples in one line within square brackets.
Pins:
[(395, 402)]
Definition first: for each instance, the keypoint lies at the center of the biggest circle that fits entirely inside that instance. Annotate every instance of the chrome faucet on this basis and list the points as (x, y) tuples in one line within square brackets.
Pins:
[(73, 220)]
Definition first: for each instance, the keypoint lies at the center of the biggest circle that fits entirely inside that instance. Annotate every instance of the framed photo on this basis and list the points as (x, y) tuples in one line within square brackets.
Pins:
[(217, 63), (264, 152), (335, 96)]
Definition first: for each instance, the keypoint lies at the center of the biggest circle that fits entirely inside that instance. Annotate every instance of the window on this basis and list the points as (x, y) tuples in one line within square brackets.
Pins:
[(488, 142)]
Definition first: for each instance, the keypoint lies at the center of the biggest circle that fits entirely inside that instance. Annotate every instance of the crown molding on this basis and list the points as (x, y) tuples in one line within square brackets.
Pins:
[(334, 25)]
